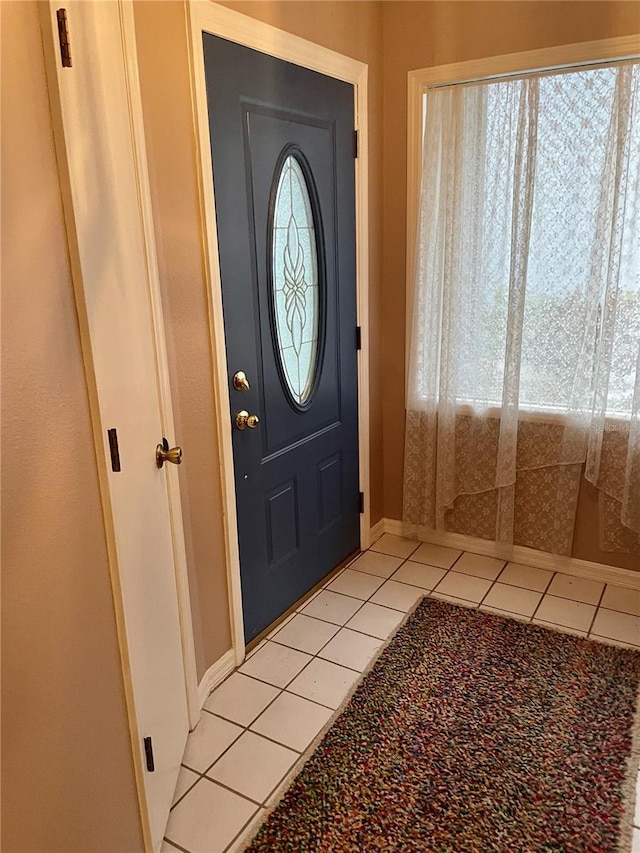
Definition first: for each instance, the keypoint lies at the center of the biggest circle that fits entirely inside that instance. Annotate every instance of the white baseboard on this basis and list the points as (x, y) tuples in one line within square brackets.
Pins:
[(520, 554), (216, 673), (393, 526), (378, 529)]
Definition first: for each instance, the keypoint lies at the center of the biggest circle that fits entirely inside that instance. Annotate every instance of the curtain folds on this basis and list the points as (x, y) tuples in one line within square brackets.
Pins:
[(524, 365)]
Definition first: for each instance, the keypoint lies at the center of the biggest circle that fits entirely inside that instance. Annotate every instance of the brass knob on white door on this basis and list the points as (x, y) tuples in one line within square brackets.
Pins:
[(244, 420), (164, 453)]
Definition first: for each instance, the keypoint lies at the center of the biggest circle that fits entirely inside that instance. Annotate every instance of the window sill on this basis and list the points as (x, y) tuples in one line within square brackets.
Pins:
[(613, 422)]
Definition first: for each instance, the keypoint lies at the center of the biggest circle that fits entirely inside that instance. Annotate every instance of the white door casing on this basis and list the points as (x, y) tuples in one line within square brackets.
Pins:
[(99, 140)]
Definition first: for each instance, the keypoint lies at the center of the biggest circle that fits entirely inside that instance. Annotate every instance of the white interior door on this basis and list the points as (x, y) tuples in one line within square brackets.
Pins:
[(100, 146)]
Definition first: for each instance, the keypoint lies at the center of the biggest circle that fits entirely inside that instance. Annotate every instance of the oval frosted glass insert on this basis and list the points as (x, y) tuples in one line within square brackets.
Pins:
[(295, 280)]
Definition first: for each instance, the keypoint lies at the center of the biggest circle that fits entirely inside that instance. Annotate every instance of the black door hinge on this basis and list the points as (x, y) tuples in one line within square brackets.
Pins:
[(114, 450), (361, 502), (148, 751), (358, 337), (63, 35), (355, 144)]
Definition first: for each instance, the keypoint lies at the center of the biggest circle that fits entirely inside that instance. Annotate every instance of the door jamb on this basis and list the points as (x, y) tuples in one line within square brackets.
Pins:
[(207, 16)]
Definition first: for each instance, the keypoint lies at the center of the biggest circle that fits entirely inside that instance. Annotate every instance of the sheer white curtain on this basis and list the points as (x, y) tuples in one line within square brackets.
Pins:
[(525, 347)]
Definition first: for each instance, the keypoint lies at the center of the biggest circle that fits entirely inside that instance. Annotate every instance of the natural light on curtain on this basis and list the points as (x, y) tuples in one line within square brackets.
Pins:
[(525, 349)]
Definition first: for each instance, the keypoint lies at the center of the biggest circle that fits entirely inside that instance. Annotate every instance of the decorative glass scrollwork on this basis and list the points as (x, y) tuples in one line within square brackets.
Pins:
[(295, 280)]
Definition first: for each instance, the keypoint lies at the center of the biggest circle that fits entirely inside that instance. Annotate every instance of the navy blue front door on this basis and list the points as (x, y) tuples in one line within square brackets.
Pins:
[(283, 166)]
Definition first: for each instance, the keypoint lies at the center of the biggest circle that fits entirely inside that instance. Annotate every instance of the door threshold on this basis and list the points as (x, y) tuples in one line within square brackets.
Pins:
[(261, 636)]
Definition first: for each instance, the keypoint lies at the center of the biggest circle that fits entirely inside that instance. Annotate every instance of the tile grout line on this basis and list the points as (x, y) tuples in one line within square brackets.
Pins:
[(233, 790), (236, 837), (176, 845), (254, 732), (293, 677), (492, 584), (322, 648), (544, 594), (364, 601), (596, 611), (246, 728), (190, 788), (476, 605)]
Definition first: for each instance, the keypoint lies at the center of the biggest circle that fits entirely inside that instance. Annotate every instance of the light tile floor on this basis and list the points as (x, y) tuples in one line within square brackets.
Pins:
[(260, 722)]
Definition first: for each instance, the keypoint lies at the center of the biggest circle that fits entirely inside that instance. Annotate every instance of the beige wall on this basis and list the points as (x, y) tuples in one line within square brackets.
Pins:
[(421, 34), (586, 538), (67, 771)]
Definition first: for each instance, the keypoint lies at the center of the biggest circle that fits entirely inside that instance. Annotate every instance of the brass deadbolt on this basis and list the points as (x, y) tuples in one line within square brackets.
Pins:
[(240, 381)]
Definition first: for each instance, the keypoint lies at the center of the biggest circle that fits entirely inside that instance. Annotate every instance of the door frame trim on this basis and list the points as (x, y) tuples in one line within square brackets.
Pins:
[(207, 16)]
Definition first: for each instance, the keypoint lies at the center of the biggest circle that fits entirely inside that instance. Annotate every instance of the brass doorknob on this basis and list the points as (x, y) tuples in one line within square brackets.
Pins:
[(244, 420), (166, 454)]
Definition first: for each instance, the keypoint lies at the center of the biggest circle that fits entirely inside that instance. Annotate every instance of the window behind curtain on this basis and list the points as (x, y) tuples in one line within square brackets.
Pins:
[(573, 317)]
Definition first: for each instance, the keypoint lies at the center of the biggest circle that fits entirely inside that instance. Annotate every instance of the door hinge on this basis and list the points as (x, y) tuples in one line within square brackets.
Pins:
[(63, 35), (361, 502), (358, 337), (114, 450), (148, 751), (355, 144)]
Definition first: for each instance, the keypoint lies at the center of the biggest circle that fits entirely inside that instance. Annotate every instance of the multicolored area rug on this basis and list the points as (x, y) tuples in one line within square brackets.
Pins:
[(473, 733)]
